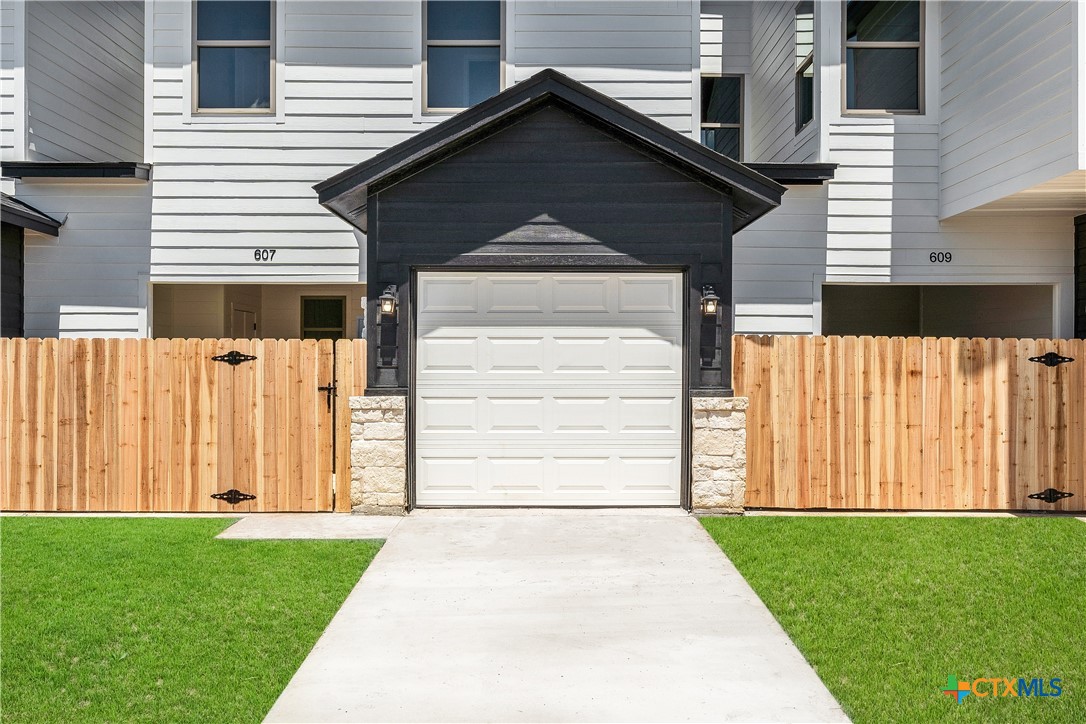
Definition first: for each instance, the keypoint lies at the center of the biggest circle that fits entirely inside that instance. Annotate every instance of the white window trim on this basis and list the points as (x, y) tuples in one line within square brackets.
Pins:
[(421, 112), (273, 116)]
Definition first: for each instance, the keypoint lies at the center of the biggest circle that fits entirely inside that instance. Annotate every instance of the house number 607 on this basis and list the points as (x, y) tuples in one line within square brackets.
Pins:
[(263, 254), (939, 257)]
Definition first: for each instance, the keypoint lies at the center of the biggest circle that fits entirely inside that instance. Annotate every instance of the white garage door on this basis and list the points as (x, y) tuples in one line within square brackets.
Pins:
[(548, 389)]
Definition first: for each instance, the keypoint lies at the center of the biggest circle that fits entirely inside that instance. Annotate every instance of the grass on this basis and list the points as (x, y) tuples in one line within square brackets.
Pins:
[(128, 619), (886, 608)]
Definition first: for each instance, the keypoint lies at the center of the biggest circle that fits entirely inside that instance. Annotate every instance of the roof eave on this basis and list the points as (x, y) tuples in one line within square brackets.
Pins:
[(21, 214), (109, 170)]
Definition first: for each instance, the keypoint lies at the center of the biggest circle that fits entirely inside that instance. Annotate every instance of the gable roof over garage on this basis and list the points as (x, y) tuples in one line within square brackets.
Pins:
[(753, 194), (20, 213)]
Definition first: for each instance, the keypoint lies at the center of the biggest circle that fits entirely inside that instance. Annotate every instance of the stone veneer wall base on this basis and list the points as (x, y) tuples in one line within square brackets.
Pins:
[(718, 447), (379, 455)]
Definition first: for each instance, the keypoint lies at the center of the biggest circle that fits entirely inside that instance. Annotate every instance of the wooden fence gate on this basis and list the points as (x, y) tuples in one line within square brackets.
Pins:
[(911, 423), (160, 425)]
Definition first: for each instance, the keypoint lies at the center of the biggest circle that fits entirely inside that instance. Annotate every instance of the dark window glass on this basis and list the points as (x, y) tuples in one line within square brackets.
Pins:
[(461, 76), (883, 78), (322, 313), (804, 96), (322, 334), (884, 21), (722, 140), (233, 20), (235, 78), (721, 100), (463, 20)]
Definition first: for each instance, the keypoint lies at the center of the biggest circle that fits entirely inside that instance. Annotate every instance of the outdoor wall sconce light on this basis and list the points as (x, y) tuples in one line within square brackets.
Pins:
[(387, 300), (710, 302), (387, 327)]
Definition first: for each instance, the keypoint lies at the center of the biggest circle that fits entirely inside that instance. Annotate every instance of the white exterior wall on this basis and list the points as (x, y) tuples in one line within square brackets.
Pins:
[(725, 37), (641, 53), (226, 186), (1012, 113), (84, 81), (91, 281), (349, 80), (773, 134), (878, 220), (12, 90)]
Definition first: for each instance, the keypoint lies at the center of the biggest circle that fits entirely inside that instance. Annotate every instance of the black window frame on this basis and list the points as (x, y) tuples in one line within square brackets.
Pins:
[(197, 44), (803, 64), (704, 125), (918, 45)]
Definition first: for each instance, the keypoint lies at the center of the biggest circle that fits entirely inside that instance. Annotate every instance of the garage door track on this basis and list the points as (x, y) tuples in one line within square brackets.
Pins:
[(553, 616)]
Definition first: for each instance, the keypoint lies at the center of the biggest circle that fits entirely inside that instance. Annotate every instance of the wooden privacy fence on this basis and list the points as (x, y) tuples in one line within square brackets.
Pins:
[(911, 423), (158, 425)]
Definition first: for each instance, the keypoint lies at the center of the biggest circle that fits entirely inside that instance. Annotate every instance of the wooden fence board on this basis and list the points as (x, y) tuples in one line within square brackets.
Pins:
[(157, 425), (912, 423)]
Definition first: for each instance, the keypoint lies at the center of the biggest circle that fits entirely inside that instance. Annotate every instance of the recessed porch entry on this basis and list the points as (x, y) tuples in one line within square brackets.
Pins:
[(555, 389), (258, 311)]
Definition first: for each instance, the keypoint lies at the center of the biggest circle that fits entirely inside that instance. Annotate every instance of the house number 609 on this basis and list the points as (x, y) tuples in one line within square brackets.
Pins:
[(263, 254), (939, 257)]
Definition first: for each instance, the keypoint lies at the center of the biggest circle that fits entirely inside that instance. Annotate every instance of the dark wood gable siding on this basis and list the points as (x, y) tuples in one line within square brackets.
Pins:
[(11, 281), (551, 191), (1080, 276), (549, 180)]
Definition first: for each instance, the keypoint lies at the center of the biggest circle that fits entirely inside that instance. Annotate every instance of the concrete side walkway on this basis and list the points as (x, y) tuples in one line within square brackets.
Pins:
[(312, 526), (505, 617)]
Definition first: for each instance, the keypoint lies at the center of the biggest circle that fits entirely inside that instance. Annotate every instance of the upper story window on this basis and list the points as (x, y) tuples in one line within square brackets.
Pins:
[(462, 53), (234, 56), (722, 114), (883, 49), (804, 64)]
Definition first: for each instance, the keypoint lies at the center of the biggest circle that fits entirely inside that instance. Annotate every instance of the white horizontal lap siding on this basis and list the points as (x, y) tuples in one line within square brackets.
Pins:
[(878, 222), (223, 189), (1009, 104), (725, 37), (9, 78), (84, 81), (772, 133), (639, 53), (89, 281)]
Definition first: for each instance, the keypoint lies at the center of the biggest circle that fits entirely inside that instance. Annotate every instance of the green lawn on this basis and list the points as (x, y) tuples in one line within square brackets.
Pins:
[(137, 619), (886, 608)]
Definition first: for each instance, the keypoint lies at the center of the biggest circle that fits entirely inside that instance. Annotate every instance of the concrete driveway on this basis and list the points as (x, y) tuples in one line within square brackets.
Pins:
[(553, 616)]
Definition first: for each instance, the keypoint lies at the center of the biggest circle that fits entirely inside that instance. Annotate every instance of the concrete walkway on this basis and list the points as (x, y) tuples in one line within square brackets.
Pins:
[(311, 526), (556, 617)]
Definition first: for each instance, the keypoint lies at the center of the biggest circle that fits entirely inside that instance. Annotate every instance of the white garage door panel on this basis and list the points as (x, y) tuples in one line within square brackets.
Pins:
[(581, 476), (608, 355), (581, 298), (540, 415), (548, 389)]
